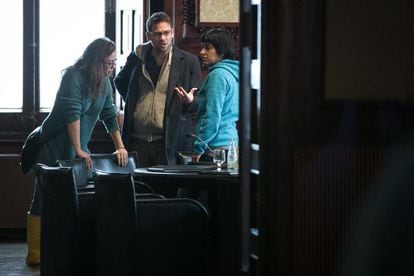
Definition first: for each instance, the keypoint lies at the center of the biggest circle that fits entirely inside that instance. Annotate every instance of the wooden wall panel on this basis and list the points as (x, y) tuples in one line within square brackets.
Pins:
[(16, 192), (323, 160), (332, 184)]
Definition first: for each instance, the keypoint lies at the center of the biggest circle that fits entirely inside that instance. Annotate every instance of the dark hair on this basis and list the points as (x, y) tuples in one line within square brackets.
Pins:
[(91, 63), (155, 18), (222, 41)]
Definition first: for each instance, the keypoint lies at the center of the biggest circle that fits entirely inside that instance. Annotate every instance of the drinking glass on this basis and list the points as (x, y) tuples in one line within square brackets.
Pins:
[(219, 158)]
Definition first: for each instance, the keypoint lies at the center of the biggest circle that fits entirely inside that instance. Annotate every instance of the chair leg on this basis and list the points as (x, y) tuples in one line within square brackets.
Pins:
[(33, 240)]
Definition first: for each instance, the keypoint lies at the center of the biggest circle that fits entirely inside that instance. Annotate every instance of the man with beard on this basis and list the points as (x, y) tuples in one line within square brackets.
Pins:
[(156, 121)]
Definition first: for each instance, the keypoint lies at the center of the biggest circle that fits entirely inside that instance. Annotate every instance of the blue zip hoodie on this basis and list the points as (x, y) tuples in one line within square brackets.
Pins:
[(218, 109)]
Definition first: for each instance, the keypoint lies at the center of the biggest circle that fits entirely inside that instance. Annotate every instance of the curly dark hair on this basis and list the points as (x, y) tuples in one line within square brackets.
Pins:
[(91, 63)]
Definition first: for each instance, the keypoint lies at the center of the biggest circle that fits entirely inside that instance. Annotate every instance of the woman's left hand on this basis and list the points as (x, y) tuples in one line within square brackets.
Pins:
[(122, 157)]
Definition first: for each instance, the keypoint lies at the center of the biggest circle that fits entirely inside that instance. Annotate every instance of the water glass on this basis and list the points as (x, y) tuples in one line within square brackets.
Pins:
[(219, 157)]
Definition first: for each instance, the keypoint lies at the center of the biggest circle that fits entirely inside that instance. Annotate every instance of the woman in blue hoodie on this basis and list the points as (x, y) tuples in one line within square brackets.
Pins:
[(218, 99)]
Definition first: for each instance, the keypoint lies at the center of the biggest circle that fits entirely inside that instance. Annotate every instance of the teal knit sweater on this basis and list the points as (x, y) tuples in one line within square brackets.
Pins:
[(73, 103)]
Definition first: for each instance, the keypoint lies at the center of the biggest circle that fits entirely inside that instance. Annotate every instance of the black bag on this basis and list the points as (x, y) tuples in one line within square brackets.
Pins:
[(30, 150)]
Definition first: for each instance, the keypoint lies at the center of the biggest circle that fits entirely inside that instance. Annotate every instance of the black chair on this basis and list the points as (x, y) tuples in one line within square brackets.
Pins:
[(105, 162), (67, 230), (163, 236), (116, 224)]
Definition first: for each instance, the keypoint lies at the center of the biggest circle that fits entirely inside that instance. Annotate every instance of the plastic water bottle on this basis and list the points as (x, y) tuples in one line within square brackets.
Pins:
[(232, 156)]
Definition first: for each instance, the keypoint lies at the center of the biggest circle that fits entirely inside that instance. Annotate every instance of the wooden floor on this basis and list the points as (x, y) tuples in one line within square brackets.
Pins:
[(13, 249), (12, 260)]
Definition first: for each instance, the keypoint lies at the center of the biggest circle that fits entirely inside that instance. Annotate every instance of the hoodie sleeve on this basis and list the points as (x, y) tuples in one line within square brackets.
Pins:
[(71, 96), (215, 87)]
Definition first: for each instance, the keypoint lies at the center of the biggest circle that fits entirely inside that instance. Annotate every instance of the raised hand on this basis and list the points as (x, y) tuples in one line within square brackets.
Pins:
[(185, 97)]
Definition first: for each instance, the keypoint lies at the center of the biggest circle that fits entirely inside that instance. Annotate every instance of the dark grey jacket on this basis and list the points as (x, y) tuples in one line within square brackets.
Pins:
[(185, 71)]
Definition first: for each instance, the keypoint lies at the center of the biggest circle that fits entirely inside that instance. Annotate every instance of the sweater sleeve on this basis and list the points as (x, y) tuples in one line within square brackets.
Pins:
[(71, 96)]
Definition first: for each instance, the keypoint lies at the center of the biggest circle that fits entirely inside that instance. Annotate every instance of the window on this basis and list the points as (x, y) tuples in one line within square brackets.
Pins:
[(11, 70), (66, 30), (129, 33)]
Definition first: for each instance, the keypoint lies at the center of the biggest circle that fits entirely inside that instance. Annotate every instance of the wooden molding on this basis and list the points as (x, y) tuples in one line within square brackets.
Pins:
[(189, 13)]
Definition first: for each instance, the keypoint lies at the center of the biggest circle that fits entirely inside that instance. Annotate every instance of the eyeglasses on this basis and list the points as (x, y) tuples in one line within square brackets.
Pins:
[(110, 63), (159, 34)]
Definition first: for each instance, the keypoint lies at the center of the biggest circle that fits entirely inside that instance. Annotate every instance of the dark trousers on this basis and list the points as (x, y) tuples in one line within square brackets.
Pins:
[(152, 154), (149, 153)]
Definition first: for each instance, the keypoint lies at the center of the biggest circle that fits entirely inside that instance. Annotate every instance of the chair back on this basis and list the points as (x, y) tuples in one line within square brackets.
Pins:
[(68, 223), (60, 220), (115, 224), (81, 173), (172, 237), (108, 163), (105, 162)]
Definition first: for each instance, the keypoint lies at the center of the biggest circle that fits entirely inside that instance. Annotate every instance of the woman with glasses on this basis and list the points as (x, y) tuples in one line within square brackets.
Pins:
[(83, 98)]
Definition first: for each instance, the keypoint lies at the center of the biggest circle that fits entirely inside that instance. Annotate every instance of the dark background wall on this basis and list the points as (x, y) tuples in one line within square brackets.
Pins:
[(334, 124), (368, 50)]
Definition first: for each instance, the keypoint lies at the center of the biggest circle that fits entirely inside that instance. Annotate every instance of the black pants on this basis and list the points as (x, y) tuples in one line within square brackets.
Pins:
[(149, 153)]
